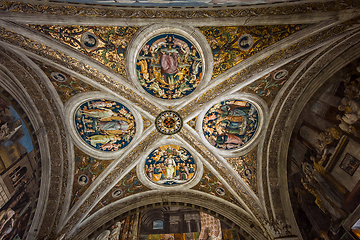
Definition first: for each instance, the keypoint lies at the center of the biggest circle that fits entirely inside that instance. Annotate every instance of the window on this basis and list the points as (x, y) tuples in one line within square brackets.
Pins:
[(158, 224)]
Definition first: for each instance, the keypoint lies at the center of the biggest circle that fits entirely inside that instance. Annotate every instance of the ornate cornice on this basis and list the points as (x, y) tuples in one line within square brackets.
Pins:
[(176, 13)]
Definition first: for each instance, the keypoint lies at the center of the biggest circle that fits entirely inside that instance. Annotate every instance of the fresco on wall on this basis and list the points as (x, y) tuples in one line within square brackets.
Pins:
[(232, 45), (14, 215), (230, 124), (65, 85), (15, 141), (170, 165), (107, 45), (105, 125), (169, 66), (323, 156)]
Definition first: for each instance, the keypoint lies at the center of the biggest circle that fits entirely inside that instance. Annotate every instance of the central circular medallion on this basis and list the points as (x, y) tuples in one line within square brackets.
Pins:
[(168, 122), (169, 66)]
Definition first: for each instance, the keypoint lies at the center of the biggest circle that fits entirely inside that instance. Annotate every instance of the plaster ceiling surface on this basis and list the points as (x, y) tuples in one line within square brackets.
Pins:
[(95, 80)]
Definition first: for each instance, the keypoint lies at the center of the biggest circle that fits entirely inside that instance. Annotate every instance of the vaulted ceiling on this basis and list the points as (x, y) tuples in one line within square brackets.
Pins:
[(291, 49)]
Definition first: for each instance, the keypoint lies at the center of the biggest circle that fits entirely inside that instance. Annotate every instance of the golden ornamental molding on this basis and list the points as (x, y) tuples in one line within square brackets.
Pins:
[(267, 62), (58, 8), (78, 66)]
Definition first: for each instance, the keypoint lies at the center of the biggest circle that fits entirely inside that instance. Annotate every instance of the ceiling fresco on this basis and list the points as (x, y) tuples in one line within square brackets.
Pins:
[(87, 169), (226, 42), (106, 45), (230, 124), (170, 165), (245, 166), (148, 113), (169, 66), (105, 125), (127, 186), (65, 85)]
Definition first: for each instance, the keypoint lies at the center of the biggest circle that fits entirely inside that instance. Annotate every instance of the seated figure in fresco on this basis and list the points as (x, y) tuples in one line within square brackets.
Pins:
[(232, 125), (158, 174), (233, 110), (169, 67), (184, 172)]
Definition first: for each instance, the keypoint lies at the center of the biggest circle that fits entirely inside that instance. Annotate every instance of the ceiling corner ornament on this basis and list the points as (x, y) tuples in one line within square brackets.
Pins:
[(169, 63), (168, 122), (101, 125), (232, 123), (169, 164)]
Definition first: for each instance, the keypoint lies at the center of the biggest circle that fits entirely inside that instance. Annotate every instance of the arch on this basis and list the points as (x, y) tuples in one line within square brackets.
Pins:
[(285, 116), (219, 208), (21, 80)]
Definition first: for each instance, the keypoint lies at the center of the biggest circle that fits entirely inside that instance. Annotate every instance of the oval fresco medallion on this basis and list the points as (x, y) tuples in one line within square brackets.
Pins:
[(230, 124), (170, 165), (169, 66), (104, 124)]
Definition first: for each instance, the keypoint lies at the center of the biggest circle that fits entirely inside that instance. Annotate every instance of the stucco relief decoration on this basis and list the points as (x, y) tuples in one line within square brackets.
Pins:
[(169, 66), (170, 165), (104, 124), (230, 124), (168, 122)]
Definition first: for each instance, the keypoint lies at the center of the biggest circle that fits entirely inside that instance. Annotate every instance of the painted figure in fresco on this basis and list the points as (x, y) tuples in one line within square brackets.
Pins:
[(210, 235), (83, 180), (105, 125), (150, 171), (158, 174), (7, 224), (165, 166), (101, 104), (170, 167), (103, 139), (230, 124), (169, 66), (114, 125), (110, 147), (184, 172), (98, 113)]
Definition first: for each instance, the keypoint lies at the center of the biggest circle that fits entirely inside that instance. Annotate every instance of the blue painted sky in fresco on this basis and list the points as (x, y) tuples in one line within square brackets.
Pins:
[(178, 3), (25, 140)]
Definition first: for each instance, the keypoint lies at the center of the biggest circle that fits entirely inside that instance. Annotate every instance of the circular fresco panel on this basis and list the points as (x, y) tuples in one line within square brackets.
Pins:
[(230, 124), (169, 66), (170, 165), (104, 124)]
